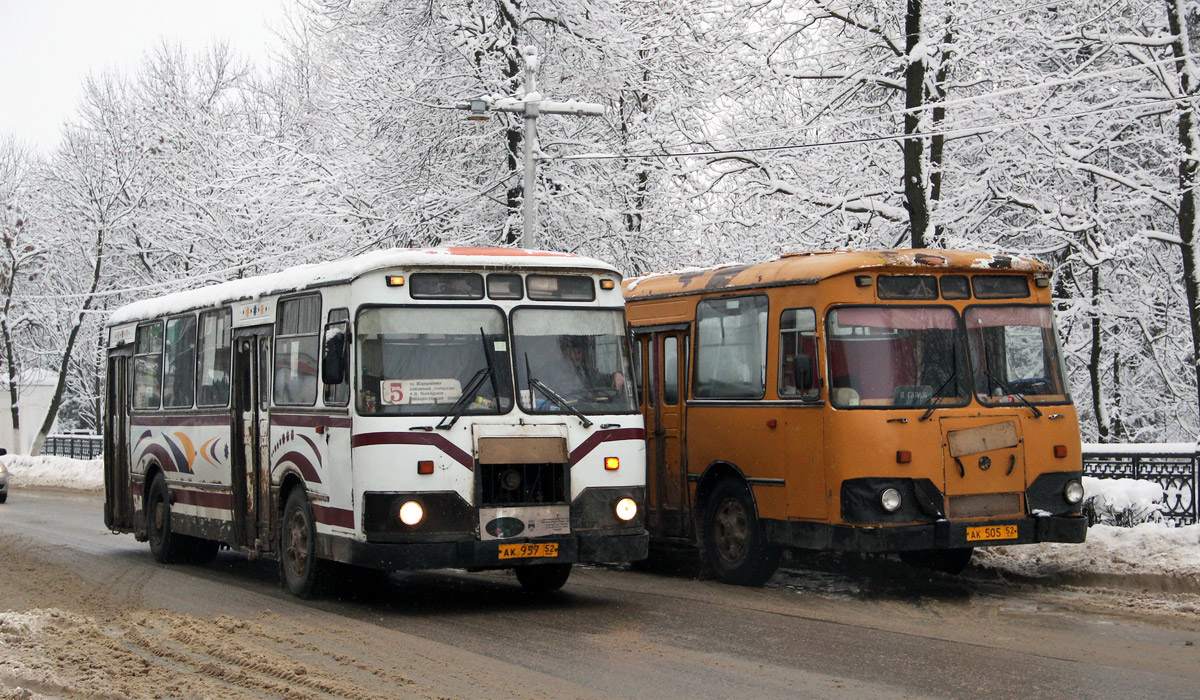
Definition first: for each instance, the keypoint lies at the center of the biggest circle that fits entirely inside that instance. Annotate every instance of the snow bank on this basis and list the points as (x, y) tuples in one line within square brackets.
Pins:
[(1149, 548), (1123, 494), (62, 472)]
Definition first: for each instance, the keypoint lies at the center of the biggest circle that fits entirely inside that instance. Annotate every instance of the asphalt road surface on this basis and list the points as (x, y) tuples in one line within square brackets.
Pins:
[(91, 615)]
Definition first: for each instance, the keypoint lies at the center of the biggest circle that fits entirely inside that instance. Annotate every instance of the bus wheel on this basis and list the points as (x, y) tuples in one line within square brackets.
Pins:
[(297, 547), (947, 561), (166, 546), (734, 544), (543, 578)]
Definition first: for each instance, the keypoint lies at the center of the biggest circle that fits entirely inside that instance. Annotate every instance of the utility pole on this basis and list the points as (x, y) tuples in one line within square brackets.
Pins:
[(530, 104)]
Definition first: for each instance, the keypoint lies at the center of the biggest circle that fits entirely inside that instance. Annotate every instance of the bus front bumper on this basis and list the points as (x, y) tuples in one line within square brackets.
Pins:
[(941, 534), (576, 548)]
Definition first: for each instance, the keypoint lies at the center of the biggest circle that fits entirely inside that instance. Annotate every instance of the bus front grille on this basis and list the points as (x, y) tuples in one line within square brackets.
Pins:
[(522, 484)]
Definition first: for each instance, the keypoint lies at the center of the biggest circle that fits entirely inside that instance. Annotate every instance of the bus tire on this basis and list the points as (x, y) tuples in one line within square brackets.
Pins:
[(543, 578), (166, 546), (947, 561), (297, 546), (735, 545)]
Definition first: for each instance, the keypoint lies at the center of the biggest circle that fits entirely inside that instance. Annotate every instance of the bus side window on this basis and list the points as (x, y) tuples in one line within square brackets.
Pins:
[(297, 339), (147, 365), (212, 350), (179, 363), (337, 394), (798, 354)]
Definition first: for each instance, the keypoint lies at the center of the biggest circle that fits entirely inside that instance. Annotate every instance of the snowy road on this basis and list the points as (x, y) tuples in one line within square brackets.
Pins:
[(91, 615)]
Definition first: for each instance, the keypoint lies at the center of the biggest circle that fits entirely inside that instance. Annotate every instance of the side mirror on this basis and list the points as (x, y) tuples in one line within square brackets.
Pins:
[(333, 365), (3, 451), (802, 365)]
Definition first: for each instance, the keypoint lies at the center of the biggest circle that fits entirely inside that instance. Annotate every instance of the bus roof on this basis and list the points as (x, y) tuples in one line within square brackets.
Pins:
[(811, 267), (346, 269)]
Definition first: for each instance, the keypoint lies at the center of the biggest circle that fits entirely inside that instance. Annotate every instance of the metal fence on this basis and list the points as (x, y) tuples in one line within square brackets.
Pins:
[(1174, 467), (75, 446)]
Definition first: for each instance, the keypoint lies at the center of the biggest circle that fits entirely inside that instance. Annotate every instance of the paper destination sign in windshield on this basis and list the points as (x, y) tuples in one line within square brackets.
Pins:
[(406, 391)]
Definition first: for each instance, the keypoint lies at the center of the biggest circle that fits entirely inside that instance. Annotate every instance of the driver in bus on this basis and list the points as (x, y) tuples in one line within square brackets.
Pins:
[(577, 374)]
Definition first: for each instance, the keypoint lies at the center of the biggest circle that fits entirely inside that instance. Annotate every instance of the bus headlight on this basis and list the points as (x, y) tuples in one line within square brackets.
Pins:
[(626, 509), (1073, 492), (890, 500), (411, 513)]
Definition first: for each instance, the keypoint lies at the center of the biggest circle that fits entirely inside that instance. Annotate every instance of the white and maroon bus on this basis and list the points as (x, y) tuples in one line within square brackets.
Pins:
[(404, 409)]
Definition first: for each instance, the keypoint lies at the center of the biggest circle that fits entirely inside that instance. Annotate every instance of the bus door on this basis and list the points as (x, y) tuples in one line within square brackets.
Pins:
[(118, 503), (666, 471), (251, 476)]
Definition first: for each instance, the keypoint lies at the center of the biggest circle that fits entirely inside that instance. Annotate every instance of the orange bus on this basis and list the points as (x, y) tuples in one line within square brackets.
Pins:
[(907, 401)]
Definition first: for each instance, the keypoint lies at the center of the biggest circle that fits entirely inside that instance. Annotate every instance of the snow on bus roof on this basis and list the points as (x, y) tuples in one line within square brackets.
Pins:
[(822, 264), (346, 269)]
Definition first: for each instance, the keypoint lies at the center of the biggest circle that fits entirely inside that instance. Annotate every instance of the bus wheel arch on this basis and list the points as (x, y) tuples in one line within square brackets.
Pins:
[(734, 544)]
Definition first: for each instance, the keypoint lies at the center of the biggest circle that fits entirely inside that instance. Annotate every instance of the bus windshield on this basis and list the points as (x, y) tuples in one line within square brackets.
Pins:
[(419, 360), (896, 356), (581, 355), (1015, 353)]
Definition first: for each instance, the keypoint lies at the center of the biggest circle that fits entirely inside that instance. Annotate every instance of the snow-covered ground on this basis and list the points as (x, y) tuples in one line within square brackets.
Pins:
[(1150, 548)]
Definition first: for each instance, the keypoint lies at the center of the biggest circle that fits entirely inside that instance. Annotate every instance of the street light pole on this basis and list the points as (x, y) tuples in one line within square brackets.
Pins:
[(530, 104)]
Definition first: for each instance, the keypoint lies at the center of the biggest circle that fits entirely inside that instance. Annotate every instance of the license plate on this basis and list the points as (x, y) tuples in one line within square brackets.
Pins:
[(992, 532), (529, 550)]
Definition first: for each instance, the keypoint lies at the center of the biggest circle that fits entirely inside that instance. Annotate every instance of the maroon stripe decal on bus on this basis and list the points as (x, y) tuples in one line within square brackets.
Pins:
[(308, 420), (302, 463), (454, 451), (158, 421), (604, 436), (337, 517), (163, 458), (203, 499)]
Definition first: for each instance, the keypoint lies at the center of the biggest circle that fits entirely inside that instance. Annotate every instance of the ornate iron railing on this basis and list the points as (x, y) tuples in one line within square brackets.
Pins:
[(75, 446), (1172, 466)]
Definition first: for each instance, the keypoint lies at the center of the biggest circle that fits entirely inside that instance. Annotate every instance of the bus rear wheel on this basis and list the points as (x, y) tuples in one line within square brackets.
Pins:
[(735, 546), (543, 578), (947, 561), (166, 546), (297, 546)]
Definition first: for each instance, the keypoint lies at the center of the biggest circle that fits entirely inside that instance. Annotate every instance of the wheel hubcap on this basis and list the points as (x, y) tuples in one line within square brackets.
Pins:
[(297, 543), (731, 530)]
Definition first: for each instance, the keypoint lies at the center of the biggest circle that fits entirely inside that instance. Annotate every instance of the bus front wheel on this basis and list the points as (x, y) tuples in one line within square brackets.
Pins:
[(297, 547), (543, 578), (734, 543)]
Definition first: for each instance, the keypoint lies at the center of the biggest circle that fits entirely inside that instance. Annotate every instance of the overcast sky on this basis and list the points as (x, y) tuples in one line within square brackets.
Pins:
[(48, 46)]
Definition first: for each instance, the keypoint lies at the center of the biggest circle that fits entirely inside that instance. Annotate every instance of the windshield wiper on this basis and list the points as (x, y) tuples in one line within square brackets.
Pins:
[(552, 395), (460, 406), (929, 411), (1004, 385)]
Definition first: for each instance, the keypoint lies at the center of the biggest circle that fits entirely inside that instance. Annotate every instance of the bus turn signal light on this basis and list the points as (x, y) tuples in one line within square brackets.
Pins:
[(395, 280), (608, 284), (903, 456), (1060, 451), (425, 466), (612, 463)]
